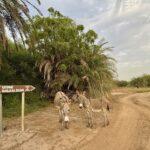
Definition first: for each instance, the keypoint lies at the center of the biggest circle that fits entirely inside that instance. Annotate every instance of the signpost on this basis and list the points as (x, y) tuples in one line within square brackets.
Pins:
[(1, 126), (14, 89)]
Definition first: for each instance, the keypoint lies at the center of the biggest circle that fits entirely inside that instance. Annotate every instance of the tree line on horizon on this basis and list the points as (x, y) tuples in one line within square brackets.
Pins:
[(138, 82)]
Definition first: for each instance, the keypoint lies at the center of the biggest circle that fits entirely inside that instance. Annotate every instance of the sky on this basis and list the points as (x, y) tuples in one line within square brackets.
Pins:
[(125, 24)]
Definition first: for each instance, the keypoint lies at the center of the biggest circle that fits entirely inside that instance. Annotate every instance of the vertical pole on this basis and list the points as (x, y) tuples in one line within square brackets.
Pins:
[(1, 124), (22, 111)]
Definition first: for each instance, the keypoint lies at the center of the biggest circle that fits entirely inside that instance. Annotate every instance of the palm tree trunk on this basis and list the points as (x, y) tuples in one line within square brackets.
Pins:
[(3, 39)]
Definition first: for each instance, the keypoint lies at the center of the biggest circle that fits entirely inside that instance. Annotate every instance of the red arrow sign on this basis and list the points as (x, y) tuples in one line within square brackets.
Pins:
[(16, 88)]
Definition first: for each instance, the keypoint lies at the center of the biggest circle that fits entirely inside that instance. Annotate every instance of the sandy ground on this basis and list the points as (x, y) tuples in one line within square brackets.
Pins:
[(129, 129), (43, 131), (130, 126)]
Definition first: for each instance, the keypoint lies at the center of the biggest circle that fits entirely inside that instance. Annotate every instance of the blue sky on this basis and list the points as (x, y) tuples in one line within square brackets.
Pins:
[(124, 23)]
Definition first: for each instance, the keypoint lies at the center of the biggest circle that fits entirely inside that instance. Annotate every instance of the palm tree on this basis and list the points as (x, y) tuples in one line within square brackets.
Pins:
[(13, 15), (68, 57)]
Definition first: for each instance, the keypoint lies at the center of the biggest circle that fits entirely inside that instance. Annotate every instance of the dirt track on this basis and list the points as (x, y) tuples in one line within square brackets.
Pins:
[(129, 129)]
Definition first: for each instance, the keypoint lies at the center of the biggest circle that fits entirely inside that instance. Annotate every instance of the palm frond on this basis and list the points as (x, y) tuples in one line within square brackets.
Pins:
[(13, 15)]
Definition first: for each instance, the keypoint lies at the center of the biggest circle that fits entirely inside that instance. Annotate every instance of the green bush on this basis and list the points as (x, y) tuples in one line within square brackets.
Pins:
[(143, 81), (12, 103), (122, 83), (19, 68)]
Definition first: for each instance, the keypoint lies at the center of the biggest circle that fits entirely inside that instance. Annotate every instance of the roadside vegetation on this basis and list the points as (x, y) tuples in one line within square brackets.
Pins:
[(68, 57), (55, 54), (19, 69), (128, 90), (138, 82), (14, 15), (136, 85)]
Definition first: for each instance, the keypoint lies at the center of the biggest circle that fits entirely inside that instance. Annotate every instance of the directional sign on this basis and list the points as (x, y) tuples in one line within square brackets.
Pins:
[(16, 88)]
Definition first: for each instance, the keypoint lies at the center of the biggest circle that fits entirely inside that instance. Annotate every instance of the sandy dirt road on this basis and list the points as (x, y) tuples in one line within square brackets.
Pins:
[(129, 129)]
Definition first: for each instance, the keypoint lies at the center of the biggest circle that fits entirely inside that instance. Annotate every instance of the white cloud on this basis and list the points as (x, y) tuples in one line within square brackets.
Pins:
[(125, 27)]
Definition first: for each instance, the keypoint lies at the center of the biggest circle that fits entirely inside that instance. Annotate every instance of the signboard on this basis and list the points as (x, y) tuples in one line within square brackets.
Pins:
[(15, 88)]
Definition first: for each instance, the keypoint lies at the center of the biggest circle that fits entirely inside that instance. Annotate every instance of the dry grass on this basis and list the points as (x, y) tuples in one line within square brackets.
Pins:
[(132, 90)]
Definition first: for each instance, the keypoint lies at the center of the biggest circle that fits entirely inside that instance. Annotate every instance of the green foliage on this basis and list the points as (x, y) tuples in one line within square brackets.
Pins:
[(60, 56), (122, 83), (12, 103), (138, 82), (67, 54), (18, 68), (13, 15), (143, 81)]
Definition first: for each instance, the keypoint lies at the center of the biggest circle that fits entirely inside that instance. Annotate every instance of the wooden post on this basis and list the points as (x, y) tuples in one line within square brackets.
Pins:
[(1, 112), (22, 111)]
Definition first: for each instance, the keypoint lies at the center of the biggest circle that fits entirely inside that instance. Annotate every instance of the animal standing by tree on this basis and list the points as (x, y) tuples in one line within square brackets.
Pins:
[(62, 102), (85, 103)]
